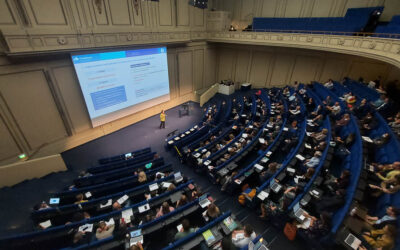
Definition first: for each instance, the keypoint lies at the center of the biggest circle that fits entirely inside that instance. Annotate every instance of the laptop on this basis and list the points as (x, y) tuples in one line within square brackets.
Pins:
[(204, 201), (128, 155), (54, 201), (298, 212), (352, 241), (228, 225), (136, 236), (275, 186), (178, 177)]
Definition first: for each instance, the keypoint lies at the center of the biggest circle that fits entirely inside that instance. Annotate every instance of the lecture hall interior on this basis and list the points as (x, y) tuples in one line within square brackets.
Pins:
[(235, 124)]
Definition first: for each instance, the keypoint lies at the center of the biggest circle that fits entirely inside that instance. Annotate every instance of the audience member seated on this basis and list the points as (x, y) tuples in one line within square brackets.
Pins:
[(318, 227), (317, 137), (227, 180), (142, 177), (381, 140), (389, 187), (343, 145), (186, 229), (369, 122), (182, 201), (334, 184), (362, 110), (267, 174), (382, 238), (315, 123), (331, 202), (379, 102), (329, 84), (313, 161), (212, 211), (374, 222), (80, 199), (342, 122), (310, 105), (335, 109), (164, 209), (241, 238), (104, 230), (305, 177)]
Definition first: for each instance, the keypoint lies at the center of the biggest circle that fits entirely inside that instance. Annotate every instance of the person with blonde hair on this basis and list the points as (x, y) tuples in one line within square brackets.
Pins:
[(142, 176), (213, 211)]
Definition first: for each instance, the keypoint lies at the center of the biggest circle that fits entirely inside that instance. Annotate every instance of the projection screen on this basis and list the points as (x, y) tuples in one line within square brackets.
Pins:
[(119, 83)]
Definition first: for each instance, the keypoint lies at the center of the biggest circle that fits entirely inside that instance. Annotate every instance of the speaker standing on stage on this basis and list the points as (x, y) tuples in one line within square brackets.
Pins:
[(162, 119)]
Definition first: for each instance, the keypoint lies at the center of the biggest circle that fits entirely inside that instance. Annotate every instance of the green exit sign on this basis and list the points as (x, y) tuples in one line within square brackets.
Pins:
[(22, 156)]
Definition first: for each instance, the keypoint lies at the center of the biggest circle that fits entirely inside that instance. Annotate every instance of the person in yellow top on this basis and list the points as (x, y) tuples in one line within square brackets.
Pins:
[(383, 238), (162, 119)]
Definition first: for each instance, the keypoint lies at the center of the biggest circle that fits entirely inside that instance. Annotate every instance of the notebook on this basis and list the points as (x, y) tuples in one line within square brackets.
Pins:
[(107, 204), (263, 195), (86, 228), (45, 224), (123, 199), (144, 208), (127, 214), (153, 187), (300, 157), (367, 139), (258, 167)]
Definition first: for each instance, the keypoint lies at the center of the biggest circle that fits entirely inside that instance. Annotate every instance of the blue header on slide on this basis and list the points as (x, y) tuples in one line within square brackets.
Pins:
[(117, 54)]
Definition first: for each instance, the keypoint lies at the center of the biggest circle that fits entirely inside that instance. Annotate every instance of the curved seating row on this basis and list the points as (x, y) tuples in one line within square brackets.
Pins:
[(108, 187), (111, 166), (124, 157), (245, 150), (58, 236), (95, 204), (118, 173), (243, 174), (214, 156)]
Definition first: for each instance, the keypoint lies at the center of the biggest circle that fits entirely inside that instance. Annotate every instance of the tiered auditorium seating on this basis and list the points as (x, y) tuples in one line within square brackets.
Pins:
[(234, 162), (393, 27), (352, 162), (249, 174), (354, 20), (138, 205)]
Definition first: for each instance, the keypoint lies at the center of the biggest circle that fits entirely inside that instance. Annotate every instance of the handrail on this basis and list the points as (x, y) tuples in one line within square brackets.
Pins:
[(325, 32)]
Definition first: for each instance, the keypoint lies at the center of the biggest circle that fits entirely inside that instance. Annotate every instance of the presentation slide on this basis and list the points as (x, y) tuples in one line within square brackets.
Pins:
[(119, 83)]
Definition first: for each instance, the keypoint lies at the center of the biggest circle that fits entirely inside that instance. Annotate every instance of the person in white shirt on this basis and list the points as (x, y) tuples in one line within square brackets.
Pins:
[(241, 238), (329, 84)]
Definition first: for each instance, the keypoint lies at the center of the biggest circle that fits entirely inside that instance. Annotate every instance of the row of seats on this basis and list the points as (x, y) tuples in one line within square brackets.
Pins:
[(393, 27), (129, 212), (353, 22)]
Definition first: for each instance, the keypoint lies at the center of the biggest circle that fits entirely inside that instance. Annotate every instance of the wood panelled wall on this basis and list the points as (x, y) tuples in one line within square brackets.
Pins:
[(100, 16), (274, 66), (42, 108), (243, 11)]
